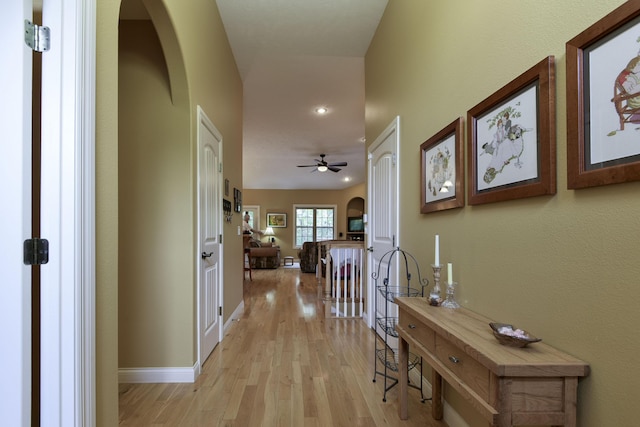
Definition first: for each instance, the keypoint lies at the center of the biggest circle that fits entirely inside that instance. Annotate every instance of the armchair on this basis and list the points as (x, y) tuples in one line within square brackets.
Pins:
[(309, 256)]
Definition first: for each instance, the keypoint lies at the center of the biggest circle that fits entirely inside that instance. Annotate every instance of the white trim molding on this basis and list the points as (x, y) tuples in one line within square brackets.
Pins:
[(235, 316), (68, 220), (158, 375), (449, 416), (187, 374)]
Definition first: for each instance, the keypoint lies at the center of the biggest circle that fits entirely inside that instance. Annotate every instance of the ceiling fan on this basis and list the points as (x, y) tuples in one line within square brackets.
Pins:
[(323, 166)]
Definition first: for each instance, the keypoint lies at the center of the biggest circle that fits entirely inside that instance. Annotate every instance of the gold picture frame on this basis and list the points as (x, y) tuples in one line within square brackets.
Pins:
[(277, 220)]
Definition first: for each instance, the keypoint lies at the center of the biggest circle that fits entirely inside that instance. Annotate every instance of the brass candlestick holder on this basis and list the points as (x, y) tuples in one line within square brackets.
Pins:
[(450, 300), (434, 295)]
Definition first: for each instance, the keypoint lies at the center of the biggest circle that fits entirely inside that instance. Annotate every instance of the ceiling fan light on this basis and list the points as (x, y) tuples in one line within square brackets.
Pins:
[(322, 168)]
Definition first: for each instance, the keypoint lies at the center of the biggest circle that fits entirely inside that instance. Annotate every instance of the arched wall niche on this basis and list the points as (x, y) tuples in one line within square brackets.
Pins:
[(155, 193), (156, 11), (355, 207)]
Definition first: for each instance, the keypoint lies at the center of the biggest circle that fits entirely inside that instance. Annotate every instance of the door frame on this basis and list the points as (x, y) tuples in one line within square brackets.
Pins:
[(394, 126), (204, 119), (16, 177), (68, 215)]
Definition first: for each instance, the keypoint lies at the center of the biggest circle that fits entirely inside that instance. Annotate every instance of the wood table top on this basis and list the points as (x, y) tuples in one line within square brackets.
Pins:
[(471, 332)]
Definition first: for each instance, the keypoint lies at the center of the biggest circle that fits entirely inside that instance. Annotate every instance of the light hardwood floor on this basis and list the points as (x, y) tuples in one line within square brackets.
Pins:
[(281, 364)]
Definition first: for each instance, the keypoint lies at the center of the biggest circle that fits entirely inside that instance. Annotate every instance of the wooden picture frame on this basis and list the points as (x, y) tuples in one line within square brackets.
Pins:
[(512, 139), (442, 169), (603, 116), (277, 220)]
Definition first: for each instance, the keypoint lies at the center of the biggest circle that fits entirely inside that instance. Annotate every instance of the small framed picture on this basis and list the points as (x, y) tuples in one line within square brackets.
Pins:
[(442, 169), (237, 200), (277, 220), (512, 139), (603, 101)]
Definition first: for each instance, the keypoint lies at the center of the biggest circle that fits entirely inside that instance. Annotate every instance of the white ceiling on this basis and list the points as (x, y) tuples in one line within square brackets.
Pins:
[(294, 56)]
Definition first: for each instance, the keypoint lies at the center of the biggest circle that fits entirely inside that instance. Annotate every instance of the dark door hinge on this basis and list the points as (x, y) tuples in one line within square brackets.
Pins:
[(36, 251), (220, 311)]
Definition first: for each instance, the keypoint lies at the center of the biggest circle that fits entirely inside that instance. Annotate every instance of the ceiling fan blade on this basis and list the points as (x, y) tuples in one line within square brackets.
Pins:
[(332, 169), (307, 166), (338, 164)]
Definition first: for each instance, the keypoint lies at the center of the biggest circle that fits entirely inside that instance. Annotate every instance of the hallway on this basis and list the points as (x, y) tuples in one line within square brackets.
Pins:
[(280, 364)]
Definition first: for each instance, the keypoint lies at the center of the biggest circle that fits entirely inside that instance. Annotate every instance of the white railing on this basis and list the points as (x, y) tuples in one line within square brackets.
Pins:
[(343, 282)]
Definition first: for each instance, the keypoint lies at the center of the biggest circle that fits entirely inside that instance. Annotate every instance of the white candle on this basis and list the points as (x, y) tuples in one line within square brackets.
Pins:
[(449, 273), (437, 260)]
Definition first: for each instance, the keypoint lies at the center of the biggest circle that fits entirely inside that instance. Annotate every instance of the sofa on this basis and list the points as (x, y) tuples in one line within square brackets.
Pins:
[(264, 255)]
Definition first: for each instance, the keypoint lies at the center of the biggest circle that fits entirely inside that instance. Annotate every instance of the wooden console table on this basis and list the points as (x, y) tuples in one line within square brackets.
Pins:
[(508, 386)]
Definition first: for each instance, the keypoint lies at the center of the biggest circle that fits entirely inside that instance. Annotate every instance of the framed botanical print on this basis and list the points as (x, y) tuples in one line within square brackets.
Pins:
[(512, 141), (603, 101), (442, 169)]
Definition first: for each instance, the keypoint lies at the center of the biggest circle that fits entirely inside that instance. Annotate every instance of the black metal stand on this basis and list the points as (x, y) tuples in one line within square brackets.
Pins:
[(386, 317)]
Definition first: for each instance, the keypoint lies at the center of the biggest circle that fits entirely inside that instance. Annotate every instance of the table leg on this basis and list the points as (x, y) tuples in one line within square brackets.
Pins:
[(570, 401), (403, 379), (436, 395)]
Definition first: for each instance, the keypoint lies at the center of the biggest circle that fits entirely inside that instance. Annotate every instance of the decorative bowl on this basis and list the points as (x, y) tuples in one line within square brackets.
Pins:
[(507, 335)]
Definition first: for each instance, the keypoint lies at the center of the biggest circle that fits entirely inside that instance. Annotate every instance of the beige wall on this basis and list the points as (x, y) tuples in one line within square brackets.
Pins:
[(564, 266), (212, 80), (155, 255), (282, 201), (107, 212)]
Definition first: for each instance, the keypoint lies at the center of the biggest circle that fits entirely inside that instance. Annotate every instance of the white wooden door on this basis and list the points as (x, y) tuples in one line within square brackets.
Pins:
[(15, 223), (383, 218), (210, 224), (67, 281), (254, 213)]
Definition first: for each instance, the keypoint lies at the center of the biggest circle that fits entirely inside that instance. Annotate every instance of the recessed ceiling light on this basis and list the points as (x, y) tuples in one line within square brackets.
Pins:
[(346, 179), (322, 110)]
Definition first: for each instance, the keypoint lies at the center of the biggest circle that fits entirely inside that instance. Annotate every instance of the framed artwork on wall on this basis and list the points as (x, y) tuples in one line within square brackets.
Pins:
[(442, 169), (237, 200), (512, 139), (277, 220), (603, 101)]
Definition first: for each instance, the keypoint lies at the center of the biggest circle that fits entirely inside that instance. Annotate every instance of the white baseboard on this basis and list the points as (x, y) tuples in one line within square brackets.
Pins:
[(174, 374), (449, 415), (235, 316), (159, 375)]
